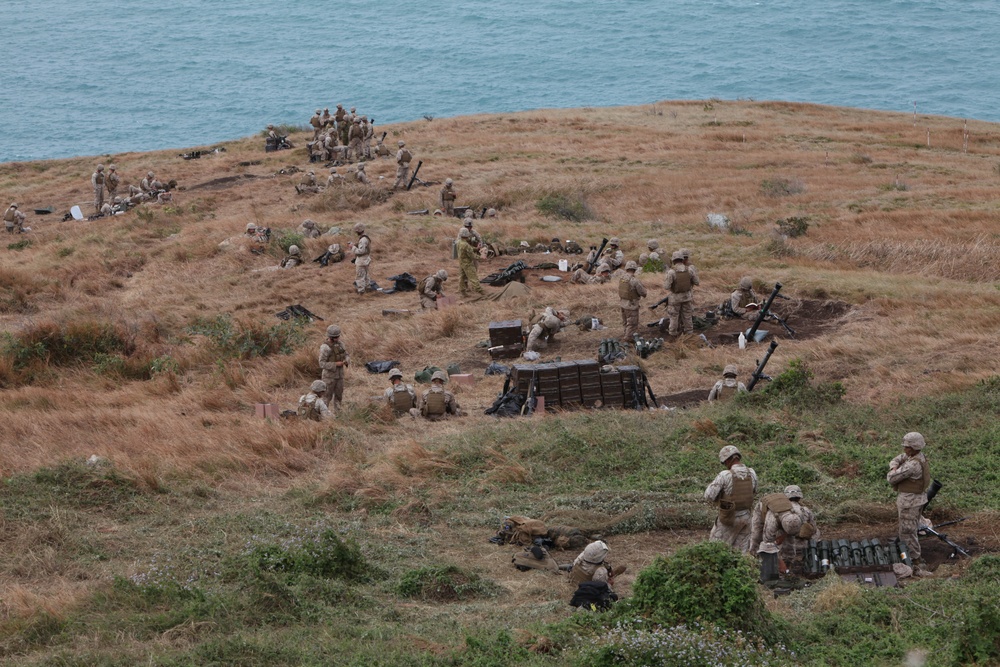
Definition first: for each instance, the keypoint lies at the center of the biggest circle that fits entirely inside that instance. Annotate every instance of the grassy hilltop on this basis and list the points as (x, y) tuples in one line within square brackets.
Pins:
[(213, 537)]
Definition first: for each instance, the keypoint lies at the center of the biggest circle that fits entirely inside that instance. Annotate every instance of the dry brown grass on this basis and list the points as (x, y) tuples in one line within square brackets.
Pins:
[(911, 263)]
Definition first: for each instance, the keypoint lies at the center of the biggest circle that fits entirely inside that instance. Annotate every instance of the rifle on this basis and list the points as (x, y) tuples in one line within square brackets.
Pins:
[(527, 408), (763, 313), (482, 214), (927, 530), (383, 136), (660, 303), (759, 373), (600, 251), (414, 177), (774, 318), (949, 523)]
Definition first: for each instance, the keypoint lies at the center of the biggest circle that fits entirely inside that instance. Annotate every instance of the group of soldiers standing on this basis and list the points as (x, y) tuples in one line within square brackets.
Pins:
[(149, 189), (778, 523)]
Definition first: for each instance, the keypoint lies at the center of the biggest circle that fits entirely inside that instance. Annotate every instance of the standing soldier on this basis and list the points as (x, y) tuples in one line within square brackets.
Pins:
[(732, 492), (13, 219), (339, 114), (355, 136), (362, 259), (448, 198), (111, 181), (317, 123), (431, 288), (97, 180), (680, 283), (403, 159), (312, 406), (728, 386), (692, 269), (910, 475), (366, 141), (400, 397), (326, 120), (630, 291), (468, 278), (437, 403), (333, 359), (344, 130)]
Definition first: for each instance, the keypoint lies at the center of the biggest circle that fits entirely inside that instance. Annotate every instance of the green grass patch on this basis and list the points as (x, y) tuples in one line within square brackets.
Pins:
[(245, 339)]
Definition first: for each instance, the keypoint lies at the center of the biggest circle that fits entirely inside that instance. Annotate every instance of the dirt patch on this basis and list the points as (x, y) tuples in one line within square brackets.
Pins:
[(808, 318), (684, 399), (224, 182)]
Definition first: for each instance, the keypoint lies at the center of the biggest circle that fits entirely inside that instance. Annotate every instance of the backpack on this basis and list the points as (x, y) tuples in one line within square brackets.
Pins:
[(594, 595)]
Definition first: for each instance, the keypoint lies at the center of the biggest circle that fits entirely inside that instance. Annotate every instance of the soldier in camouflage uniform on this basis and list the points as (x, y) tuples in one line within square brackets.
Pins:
[(794, 546), (317, 123), (97, 180), (468, 278), (13, 219), (400, 397), (548, 325), (653, 246), (728, 386), (312, 406), (362, 259), (448, 195), (355, 136), (776, 521), (732, 492), (111, 181), (333, 359), (475, 240), (592, 565), (403, 159), (293, 259), (630, 291), (308, 183), (601, 276), (436, 403), (742, 297), (680, 283), (910, 475), (612, 256), (308, 229), (431, 288)]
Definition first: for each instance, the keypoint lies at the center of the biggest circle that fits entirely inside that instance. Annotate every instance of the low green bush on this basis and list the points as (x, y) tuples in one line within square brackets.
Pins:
[(248, 339), (567, 207), (445, 583)]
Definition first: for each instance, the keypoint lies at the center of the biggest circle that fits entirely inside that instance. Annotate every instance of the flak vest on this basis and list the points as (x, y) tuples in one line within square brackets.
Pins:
[(746, 298), (405, 157), (308, 409), (682, 282), (401, 399), (916, 485), (434, 404), (778, 503), (726, 392), (626, 290), (742, 495)]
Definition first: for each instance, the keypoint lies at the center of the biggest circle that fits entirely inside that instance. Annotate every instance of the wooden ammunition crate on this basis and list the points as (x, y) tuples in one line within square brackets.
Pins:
[(505, 333)]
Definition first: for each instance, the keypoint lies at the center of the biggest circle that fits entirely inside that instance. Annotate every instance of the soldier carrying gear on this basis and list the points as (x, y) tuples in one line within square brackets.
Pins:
[(613, 256), (680, 283), (400, 397), (630, 291), (312, 406), (909, 475), (431, 288), (333, 359), (403, 159), (732, 492), (448, 196), (13, 219), (728, 386), (436, 403)]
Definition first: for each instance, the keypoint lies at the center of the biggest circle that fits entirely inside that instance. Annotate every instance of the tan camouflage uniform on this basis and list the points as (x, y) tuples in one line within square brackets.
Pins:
[(601, 276), (448, 196), (727, 387), (468, 277), (13, 219), (741, 297), (630, 291), (437, 403), (362, 263), (400, 405), (738, 534), (312, 406), (907, 474), (542, 331), (333, 358), (97, 180), (112, 181), (403, 159), (431, 288), (680, 308)]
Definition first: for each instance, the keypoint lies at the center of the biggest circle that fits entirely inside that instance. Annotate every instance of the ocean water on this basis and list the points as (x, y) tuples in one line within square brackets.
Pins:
[(105, 76)]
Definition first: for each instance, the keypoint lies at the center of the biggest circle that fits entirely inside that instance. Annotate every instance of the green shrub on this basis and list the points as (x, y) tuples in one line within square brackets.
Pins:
[(979, 617), (19, 245), (567, 207), (445, 583), (247, 339), (316, 552), (794, 389), (69, 484), (653, 266), (709, 582), (288, 237)]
